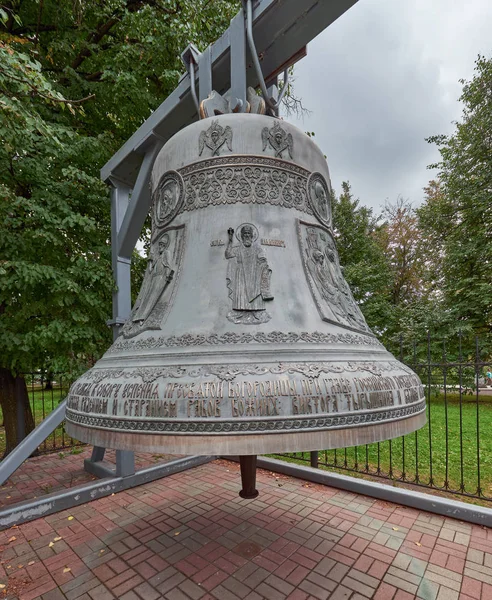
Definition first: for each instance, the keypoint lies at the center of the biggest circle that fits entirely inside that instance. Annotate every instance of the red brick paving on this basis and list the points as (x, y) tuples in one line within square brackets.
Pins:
[(190, 537)]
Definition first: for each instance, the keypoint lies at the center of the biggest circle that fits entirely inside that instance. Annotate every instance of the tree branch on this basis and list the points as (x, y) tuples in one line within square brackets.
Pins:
[(103, 28), (39, 93)]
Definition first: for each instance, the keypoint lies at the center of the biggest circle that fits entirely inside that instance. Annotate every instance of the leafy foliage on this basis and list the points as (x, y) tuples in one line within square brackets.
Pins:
[(115, 61), (429, 270), (366, 268), (55, 282), (457, 214)]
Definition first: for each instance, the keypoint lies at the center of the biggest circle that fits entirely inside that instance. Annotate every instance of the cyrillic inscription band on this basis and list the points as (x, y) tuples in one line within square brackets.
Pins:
[(281, 399)]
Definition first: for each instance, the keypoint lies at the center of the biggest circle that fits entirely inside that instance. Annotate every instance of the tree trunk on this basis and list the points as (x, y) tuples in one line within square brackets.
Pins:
[(48, 386), (13, 389)]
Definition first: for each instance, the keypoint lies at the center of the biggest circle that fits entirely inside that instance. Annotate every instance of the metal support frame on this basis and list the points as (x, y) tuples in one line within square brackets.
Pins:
[(58, 501), (20, 453), (277, 32)]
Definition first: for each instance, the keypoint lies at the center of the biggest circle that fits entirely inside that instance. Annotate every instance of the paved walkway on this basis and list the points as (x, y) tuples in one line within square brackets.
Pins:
[(56, 471), (190, 537)]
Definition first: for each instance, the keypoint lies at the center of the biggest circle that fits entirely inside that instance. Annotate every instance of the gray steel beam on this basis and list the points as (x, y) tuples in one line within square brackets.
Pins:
[(281, 29), (99, 468), (205, 74), (98, 454), (120, 198), (138, 206), (445, 507), (19, 454), (125, 463), (63, 500), (238, 59)]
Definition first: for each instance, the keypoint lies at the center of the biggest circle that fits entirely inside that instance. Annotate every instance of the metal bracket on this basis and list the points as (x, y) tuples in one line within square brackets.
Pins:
[(191, 58), (273, 105), (96, 465)]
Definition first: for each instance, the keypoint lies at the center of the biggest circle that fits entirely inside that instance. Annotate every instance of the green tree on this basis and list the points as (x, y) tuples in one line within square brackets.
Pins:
[(412, 308), (366, 268), (55, 278), (115, 61), (457, 213)]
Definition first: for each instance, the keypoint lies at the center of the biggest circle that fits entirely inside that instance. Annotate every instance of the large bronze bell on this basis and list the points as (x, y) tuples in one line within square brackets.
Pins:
[(245, 338)]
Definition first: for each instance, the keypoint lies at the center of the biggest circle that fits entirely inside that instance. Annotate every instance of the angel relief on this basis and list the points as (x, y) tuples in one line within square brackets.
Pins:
[(278, 139), (330, 290), (155, 296), (214, 138)]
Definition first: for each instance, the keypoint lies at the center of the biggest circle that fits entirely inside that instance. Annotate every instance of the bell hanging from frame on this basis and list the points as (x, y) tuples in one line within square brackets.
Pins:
[(245, 338)]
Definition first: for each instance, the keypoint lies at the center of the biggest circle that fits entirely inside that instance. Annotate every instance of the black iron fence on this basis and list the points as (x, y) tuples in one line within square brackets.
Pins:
[(453, 452)]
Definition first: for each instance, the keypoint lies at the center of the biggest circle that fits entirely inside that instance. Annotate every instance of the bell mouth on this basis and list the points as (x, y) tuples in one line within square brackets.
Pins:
[(255, 443)]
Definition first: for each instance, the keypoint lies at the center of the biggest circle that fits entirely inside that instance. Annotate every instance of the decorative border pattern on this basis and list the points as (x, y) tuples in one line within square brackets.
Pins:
[(273, 337), (244, 427), (230, 372), (246, 179)]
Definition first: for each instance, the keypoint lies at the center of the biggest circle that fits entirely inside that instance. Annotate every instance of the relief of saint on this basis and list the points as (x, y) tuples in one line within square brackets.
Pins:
[(248, 277), (154, 298), (157, 277), (352, 309), (319, 196), (167, 198), (337, 303)]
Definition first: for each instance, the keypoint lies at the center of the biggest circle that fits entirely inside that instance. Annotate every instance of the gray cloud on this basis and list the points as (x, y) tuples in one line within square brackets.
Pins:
[(383, 78)]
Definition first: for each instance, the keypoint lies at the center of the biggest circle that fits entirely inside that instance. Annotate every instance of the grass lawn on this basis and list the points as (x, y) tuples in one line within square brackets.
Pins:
[(453, 459)]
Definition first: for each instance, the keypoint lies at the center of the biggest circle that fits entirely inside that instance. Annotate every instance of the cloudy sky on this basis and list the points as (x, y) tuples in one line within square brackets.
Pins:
[(383, 78)]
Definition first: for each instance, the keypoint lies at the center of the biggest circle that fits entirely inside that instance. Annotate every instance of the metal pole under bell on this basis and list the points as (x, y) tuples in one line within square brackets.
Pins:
[(248, 477)]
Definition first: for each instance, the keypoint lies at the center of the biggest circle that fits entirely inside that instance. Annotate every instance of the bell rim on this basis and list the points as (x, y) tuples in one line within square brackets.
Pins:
[(262, 442)]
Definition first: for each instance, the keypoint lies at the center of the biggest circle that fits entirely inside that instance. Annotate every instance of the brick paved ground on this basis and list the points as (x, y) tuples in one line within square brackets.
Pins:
[(52, 472), (190, 537)]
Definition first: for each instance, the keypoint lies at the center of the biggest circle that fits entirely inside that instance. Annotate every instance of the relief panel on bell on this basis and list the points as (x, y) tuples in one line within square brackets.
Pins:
[(214, 138), (278, 140), (159, 284), (248, 276), (319, 198), (167, 199), (322, 268)]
